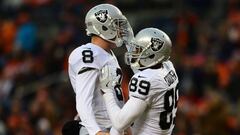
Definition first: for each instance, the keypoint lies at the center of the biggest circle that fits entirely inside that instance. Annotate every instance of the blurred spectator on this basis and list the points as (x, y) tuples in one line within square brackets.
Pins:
[(26, 33), (42, 106), (7, 36), (233, 86)]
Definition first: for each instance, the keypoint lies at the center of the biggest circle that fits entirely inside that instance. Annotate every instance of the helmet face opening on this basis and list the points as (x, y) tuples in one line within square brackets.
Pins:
[(133, 54), (123, 30), (119, 24), (150, 47)]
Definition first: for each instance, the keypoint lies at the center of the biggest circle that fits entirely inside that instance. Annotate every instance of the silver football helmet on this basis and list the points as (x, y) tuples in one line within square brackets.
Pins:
[(108, 22), (150, 47)]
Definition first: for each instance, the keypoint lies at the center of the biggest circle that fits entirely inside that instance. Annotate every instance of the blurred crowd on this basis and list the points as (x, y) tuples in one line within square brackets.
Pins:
[(37, 36)]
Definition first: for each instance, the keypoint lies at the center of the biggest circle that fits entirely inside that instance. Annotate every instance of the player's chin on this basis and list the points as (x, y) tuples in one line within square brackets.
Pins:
[(113, 46)]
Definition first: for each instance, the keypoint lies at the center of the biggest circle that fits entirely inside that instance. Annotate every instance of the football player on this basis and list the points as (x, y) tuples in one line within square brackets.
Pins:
[(108, 29), (153, 90)]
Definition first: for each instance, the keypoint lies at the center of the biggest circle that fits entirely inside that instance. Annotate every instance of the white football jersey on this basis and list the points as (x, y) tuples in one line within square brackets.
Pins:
[(158, 88), (85, 63)]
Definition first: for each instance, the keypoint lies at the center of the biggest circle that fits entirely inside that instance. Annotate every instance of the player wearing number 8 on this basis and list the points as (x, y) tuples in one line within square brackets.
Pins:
[(108, 29), (153, 89)]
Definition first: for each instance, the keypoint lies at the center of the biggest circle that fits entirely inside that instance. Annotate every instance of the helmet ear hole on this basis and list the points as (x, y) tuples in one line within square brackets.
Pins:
[(104, 28)]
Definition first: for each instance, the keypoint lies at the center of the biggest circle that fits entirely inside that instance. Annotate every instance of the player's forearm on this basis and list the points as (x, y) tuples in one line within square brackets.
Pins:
[(121, 119), (85, 86)]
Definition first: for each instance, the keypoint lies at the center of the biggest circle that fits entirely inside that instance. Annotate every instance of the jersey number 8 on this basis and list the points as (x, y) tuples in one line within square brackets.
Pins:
[(117, 88), (87, 56)]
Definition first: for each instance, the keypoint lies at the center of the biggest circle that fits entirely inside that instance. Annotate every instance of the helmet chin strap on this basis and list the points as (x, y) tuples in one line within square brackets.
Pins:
[(116, 40), (138, 64), (98, 33), (156, 62)]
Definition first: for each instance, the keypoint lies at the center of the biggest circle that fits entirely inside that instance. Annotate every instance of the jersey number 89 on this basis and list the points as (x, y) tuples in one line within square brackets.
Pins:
[(143, 88), (170, 102)]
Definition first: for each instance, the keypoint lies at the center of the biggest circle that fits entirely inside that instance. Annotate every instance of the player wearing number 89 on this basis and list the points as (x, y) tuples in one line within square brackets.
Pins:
[(153, 89), (108, 29)]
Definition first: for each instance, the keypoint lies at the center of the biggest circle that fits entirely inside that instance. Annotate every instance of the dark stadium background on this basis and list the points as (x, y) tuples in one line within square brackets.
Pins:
[(36, 37)]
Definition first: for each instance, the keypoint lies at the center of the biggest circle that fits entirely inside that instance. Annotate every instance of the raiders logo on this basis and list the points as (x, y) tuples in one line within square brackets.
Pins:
[(156, 44), (101, 15)]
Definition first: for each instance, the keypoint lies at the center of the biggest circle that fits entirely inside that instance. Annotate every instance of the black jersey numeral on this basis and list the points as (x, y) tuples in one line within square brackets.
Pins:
[(117, 88), (170, 102), (87, 56), (141, 86)]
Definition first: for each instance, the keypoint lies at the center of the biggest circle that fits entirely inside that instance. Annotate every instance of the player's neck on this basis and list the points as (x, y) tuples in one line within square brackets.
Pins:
[(106, 45)]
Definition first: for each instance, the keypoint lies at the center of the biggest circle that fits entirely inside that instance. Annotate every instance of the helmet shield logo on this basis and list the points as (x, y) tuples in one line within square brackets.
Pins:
[(101, 15), (156, 44)]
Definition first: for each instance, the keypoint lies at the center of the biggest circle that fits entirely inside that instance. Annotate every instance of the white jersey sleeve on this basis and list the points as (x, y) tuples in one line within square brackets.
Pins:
[(123, 118), (85, 84)]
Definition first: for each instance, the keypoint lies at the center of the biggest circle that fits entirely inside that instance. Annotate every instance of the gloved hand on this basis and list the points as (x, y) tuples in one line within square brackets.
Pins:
[(108, 78)]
